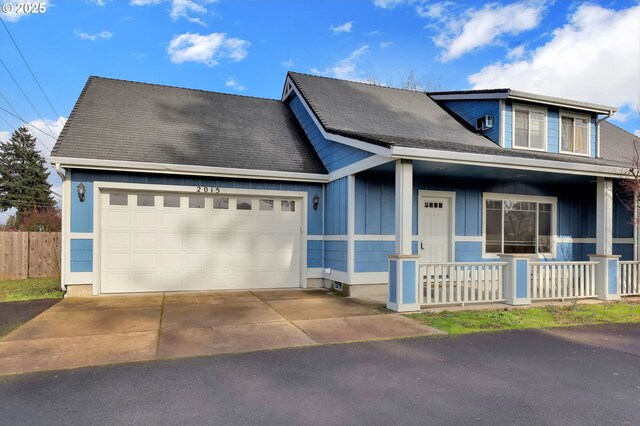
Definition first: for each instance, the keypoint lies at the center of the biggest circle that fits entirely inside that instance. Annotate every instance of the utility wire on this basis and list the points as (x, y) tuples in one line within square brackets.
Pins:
[(25, 95), (31, 125), (31, 71)]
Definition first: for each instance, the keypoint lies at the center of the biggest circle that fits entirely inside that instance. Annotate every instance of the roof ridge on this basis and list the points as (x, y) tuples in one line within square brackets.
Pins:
[(358, 82), (181, 88)]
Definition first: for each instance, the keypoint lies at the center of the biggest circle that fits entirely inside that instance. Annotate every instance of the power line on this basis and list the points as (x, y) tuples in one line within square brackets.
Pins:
[(31, 125), (25, 95), (31, 71)]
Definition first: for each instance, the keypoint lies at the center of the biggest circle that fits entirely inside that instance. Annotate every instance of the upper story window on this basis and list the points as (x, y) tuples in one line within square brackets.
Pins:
[(529, 128), (574, 134)]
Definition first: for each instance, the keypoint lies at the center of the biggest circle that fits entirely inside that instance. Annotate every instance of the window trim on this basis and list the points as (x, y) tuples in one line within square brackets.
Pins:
[(545, 136), (571, 114), (496, 196)]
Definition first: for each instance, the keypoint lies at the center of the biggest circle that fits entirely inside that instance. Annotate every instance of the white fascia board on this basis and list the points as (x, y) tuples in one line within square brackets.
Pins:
[(504, 162), (365, 146), (357, 167), (468, 96), (135, 166)]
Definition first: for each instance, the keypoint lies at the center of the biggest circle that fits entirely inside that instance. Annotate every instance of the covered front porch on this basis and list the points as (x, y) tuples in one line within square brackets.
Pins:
[(467, 234)]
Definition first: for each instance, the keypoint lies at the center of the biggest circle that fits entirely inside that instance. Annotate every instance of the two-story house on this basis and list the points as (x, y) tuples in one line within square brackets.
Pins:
[(428, 198)]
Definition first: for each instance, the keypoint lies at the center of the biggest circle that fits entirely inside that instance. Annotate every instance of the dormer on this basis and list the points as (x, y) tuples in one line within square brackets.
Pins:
[(526, 121)]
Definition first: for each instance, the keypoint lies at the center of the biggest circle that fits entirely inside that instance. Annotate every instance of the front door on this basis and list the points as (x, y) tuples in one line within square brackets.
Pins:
[(435, 230)]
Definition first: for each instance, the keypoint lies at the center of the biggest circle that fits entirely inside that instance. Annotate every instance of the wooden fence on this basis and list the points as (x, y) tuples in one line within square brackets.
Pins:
[(29, 254)]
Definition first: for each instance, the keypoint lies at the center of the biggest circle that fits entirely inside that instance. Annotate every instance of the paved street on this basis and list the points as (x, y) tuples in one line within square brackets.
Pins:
[(525, 377)]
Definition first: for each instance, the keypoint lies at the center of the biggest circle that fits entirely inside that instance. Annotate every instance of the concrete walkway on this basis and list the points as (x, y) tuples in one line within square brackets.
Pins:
[(114, 329)]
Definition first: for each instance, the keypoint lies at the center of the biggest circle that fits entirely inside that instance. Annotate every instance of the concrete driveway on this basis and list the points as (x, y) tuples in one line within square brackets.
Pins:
[(114, 329)]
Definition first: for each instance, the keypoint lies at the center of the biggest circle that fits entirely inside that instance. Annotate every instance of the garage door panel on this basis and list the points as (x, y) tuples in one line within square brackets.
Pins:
[(157, 248), (145, 220), (118, 261), (172, 220), (116, 240), (170, 241), (195, 241), (144, 261), (145, 240), (117, 219)]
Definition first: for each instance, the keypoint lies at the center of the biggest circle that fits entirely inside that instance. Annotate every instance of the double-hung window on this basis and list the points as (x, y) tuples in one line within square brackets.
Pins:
[(529, 128), (514, 225), (574, 134)]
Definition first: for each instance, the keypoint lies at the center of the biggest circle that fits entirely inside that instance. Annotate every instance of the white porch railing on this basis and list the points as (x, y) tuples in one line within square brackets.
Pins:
[(461, 282), (629, 277), (562, 280)]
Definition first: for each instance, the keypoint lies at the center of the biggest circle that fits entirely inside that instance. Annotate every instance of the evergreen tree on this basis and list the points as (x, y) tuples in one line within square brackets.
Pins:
[(23, 175)]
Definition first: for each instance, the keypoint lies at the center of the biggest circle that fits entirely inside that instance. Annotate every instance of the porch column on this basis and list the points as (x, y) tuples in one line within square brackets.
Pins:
[(604, 216), (403, 265), (515, 279)]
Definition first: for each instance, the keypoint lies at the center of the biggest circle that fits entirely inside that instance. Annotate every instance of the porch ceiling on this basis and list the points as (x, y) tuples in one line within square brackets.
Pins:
[(439, 169)]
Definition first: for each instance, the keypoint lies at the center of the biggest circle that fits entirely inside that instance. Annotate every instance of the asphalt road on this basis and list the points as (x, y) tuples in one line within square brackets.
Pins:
[(525, 377)]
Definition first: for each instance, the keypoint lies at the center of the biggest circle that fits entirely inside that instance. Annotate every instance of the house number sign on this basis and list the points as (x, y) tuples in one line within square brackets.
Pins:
[(207, 189)]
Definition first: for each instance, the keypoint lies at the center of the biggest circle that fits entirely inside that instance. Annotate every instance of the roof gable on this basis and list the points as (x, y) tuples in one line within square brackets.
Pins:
[(127, 121)]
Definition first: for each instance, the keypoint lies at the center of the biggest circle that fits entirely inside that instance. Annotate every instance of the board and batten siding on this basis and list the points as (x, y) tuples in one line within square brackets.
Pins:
[(334, 155), (576, 216), (81, 213), (471, 110)]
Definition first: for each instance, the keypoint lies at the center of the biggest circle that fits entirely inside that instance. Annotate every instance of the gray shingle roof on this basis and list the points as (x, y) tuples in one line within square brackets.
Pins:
[(394, 117), (617, 144), (127, 121)]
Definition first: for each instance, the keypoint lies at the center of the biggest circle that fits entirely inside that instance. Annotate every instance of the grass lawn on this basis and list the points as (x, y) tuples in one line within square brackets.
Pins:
[(462, 322), (30, 289)]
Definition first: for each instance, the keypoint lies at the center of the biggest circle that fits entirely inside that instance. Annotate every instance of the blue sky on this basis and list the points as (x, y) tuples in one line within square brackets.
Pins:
[(579, 50)]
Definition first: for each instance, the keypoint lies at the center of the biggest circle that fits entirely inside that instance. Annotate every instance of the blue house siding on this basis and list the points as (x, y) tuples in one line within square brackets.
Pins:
[(553, 129), (335, 209), (335, 255), (470, 111), (576, 214), (315, 253), (372, 256), (375, 204), (81, 255), (334, 155), (508, 125)]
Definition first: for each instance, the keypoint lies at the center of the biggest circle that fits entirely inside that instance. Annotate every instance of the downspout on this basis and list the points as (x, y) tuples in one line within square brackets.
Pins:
[(598, 121), (59, 171)]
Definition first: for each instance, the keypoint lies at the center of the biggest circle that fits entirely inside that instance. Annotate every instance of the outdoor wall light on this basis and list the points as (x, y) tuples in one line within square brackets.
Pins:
[(81, 191), (316, 201)]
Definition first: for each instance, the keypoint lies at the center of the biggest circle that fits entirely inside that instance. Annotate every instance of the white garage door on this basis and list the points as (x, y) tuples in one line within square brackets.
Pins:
[(176, 242)]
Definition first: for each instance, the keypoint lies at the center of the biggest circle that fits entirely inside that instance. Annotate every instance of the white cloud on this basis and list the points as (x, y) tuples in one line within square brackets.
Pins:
[(345, 68), (344, 28), (207, 49), (516, 53), (460, 32), (145, 2), (288, 63), (234, 84), (594, 57), (385, 44), (181, 9), (99, 2), (4, 135), (637, 133), (86, 36), (390, 4), (13, 16)]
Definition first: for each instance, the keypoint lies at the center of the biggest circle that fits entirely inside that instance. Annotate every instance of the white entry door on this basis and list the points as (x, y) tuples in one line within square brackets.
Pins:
[(174, 242), (435, 230)]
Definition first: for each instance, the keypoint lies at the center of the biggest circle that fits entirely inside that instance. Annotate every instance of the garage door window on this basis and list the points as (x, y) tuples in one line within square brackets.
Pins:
[(221, 203), (118, 199), (243, 204), (287, 206), (145, 200), (266, 205), (171, 201), (196, 202)]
